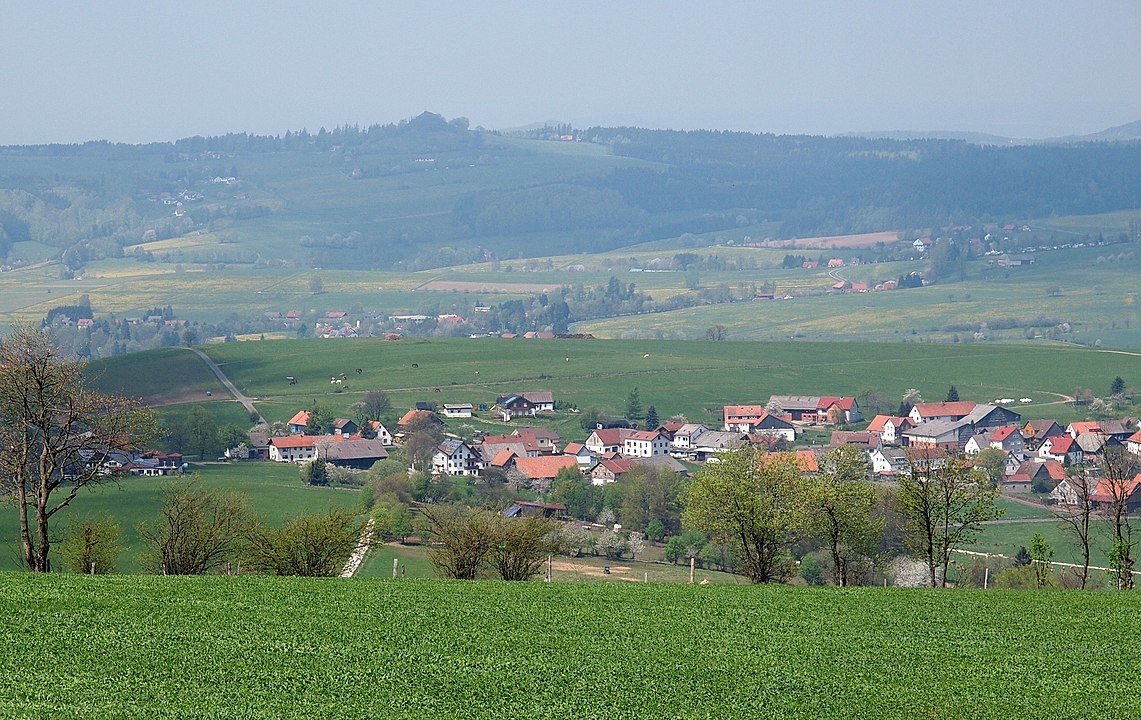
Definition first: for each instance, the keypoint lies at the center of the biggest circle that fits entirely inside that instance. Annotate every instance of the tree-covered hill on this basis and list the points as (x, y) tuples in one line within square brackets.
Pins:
[(429, 192)]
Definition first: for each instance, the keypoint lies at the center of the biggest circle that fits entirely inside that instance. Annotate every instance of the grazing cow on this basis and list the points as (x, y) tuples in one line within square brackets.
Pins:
[(415, 365), (360, 371)]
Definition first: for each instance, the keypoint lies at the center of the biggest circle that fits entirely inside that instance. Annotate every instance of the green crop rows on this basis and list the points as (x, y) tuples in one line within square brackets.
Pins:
[(219, 647)]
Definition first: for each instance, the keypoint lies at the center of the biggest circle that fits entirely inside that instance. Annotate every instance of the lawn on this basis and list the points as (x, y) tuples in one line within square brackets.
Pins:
[(253, 647)]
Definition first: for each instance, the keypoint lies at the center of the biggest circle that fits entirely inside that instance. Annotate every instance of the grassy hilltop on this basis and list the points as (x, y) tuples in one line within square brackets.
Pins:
[(153, 647), (690, 377)]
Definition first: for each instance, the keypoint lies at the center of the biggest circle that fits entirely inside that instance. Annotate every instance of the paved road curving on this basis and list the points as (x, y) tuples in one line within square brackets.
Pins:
[(245, 401)]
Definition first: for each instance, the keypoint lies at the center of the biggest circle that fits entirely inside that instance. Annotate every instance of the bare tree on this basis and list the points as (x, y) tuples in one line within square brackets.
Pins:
[(200, 530), (58, 436), (1077, 515), (521, 545), (1118, 470), (459, 539)]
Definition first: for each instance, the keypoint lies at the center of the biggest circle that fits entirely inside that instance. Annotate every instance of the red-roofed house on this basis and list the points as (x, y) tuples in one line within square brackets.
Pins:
[(607, 440), (295, 448), (610, 470), (1077, 428), (890, 428), (1062, 448), (298, 422), (1133, 443), (541, 471), (1110, 492)]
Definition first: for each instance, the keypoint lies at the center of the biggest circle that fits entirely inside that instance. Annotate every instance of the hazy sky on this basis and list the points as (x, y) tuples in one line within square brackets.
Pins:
[(138, 71)]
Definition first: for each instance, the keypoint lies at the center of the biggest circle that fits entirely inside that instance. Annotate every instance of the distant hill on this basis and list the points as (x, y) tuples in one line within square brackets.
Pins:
[(430, 192), (1129, 131), (1121, 133)]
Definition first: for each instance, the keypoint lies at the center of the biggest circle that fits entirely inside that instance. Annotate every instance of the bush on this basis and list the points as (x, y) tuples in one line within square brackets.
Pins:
[(315, 545), (92, 546)]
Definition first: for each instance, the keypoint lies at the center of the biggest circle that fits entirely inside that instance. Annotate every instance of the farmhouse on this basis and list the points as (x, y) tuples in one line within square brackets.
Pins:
[(645, 443), (455, 457), (298, 422), (295, 448), (609, 440), (610, 470), (1109, 492), (946, 411), (540, 472), (687, 436), (754, 419), (355, 453), (818, 409), (890, 428), (526, 404)]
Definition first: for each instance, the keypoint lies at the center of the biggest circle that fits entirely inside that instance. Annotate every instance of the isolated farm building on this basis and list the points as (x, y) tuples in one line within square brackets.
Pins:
[(344, 426), (457, 410), (645, 443), (1109, 492), (527, 404), (890, 428), (527, 508), (608, 471), (687, 435), (455, 457), (298, 422), (355, 453), (609, 440)]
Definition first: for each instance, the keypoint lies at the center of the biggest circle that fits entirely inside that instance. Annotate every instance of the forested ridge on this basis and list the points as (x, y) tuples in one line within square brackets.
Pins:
[(428, 192)]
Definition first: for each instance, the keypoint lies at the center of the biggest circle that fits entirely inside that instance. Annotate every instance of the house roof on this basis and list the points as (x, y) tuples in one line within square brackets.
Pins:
[(412, 415), (294, 441), (618, 466), (939, 409), (719, 440), (1003, 433), (1107, 489), (1091, 442), (855, 437), (805, 460), (545, 466), (1077, 428), (537, 433), (1040, 429), (934, 429), (502, 458), (301, 418), (733, 413), (342, 423), (539, 396), (1061, 443), (1134, 438), (691, 428), (573, 448), (611, 436), (879, 422), (664, 462), (644, 435), (357, 449), (451, 446)]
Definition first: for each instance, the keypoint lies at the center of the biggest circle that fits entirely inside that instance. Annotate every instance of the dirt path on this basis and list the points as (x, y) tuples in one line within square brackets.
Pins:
[(361, 551), (246, 402)]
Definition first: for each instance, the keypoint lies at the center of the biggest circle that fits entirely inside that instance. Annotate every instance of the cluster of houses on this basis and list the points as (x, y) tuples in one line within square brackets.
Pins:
[(344, 446)]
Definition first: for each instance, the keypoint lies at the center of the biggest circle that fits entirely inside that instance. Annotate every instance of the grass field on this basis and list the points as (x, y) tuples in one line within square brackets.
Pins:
[(154, 647), (694, 378), (275, 494)]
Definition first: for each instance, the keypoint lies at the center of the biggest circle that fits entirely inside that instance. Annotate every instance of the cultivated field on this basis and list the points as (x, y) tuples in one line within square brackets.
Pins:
[(222, 647)]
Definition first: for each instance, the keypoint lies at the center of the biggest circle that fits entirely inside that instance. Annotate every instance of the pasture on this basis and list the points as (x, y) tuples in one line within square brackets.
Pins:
[(693, 378), (275, 495), (252, 647)]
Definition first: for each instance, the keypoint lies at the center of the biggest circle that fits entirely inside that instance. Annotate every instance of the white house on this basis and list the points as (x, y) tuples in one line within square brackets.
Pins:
[(295, 448), (687, 436), (454, 457), (457, 410), (645, 443)]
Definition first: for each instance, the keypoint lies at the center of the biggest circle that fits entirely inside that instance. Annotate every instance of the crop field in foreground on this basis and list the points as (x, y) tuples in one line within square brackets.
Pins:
[(239, 647)]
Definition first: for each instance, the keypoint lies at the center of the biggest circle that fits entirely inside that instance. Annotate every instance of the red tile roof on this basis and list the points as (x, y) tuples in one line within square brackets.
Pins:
[(295, 441), (1003, 433), (1061, 444), (545, 467), (1106, 490), (301, 418)]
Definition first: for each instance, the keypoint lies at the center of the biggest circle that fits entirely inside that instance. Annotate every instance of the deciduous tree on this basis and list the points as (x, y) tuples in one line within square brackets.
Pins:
[(313, 545), (1079, 514), (200, 530), (839, 504), (753, 503), (945, 503), (57, 436), (92, 545)]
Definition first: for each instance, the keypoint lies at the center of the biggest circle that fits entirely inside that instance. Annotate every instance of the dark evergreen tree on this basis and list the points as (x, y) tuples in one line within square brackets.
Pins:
[(953, 394)]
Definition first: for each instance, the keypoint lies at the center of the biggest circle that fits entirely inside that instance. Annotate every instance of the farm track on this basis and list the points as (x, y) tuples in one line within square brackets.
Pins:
[(238, 395)]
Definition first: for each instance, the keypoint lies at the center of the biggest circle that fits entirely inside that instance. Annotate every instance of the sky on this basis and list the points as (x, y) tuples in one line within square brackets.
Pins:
[(132, 71)]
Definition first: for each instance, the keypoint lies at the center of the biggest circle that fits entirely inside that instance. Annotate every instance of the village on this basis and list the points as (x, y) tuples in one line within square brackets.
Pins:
[(1032, 459)]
